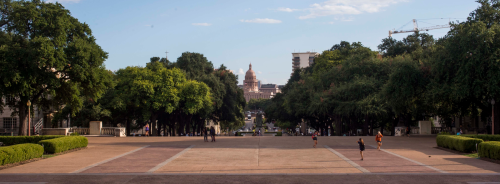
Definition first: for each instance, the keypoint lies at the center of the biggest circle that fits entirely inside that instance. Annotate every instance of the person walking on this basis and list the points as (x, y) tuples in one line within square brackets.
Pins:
[(315, 138), (361, 147), (205, 134), (212, 133), (408, 132), (378, 138), (147, 130)]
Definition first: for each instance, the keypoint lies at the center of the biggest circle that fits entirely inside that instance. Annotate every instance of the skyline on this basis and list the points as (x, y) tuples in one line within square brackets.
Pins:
[(263, 33)]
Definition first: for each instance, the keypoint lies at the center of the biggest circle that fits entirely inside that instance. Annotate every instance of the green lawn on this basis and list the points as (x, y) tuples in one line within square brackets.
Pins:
[(48, 156), (472, 155)]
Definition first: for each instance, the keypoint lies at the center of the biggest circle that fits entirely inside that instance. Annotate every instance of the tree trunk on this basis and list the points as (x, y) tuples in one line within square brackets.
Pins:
[(353, 125), (394, 124), (371, 127), (365, 125), (382, 127), (338, 125), (152, 127), (496, 119), (23, 116), (127, 126)]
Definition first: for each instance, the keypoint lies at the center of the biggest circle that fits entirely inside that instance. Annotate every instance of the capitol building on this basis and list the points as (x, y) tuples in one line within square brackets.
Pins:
[(252, 90)]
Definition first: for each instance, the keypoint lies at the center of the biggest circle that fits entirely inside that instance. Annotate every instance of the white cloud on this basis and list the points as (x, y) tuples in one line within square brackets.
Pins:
[(265, 21), (259, 72), (63, 1), (347, 7), (344, 19), (201, 24), (287, 9), (240, 71)]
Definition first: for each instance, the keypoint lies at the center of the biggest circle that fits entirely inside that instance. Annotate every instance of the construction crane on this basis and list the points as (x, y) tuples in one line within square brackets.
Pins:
[(415, 28)]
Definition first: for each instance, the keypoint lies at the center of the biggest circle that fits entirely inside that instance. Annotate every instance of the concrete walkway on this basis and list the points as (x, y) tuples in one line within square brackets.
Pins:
[(257, 155)]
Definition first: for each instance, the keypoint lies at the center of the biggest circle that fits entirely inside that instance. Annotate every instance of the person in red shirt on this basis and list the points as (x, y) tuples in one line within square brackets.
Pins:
[(315, 138), (378, 138)]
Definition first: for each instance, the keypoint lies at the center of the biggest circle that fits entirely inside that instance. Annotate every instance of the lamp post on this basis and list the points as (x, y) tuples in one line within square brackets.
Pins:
[(492, 117), (29, 113)]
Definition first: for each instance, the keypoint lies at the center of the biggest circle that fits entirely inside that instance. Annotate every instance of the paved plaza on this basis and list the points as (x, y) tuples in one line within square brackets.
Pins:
[(287, 157)]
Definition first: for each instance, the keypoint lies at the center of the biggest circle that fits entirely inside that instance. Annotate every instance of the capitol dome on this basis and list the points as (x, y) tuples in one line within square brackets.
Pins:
[(250, 74), (251, 83)]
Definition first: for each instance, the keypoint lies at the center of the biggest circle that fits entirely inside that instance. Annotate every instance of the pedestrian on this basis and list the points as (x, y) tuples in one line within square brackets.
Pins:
[(212, 133), (205, 134), (147, 130), (315, 138), (378, 138), (408, 132), (361, 147)]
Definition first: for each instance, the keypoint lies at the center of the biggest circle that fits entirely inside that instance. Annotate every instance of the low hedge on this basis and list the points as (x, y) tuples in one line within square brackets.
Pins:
[(485, 137), (459, 143), (64, 143), (13, 140), (20, 152), (279, 134), (490, 149)]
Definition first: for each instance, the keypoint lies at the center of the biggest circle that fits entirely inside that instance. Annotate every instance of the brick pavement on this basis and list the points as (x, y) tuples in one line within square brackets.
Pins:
[(256, 155)]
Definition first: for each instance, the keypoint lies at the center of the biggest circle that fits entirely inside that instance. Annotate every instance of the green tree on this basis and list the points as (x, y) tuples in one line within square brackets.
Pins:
[(46, 54)]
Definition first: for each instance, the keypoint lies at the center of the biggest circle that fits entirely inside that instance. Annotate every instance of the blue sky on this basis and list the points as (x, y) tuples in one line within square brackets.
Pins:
[(265, 33)]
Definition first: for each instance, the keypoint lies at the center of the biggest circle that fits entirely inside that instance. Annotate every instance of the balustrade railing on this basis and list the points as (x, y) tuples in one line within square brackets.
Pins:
[(436, 130), (108, 131), (81, 131), (37, 127)]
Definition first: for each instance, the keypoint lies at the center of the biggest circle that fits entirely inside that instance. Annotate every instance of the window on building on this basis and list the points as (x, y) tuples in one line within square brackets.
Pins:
[(208, 122), (9, 122), (296, 59), (10, 99)]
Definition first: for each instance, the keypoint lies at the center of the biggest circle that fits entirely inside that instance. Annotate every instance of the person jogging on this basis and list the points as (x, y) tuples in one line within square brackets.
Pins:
[(147, 130), (315, 138), (205, 135), (361, 147), (378, 138), (408, 132)]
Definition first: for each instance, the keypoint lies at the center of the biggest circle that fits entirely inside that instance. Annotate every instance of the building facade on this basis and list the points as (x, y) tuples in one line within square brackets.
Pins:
[(251, 87), (270, 88), (302, 59), (42, 117)]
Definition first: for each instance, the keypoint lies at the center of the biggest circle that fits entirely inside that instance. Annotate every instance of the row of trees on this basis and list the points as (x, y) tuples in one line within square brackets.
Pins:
[(52, 60), (352, 87)]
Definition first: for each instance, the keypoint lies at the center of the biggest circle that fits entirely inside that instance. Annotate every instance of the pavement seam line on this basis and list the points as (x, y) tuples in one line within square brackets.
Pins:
[(347, 160), (247, 174), (110, 159), (169, 160), (428, 166)]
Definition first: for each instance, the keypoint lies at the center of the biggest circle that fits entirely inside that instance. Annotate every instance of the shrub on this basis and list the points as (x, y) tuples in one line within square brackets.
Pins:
[(13, 140), (74, 134), (444, 133), (490, 149), (20, 152), (485, 137), (64, 143), (279, 134), (459, 143)]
